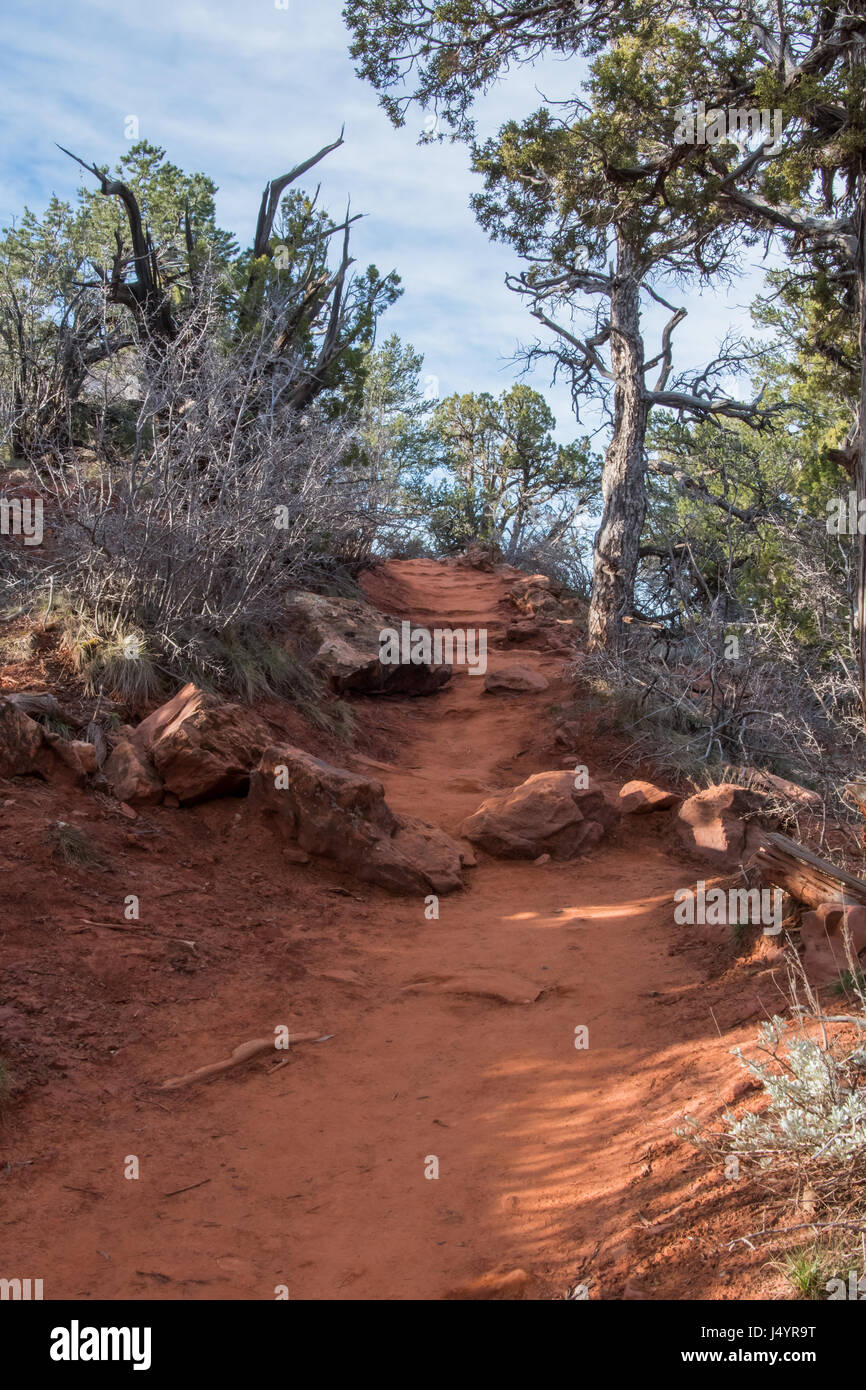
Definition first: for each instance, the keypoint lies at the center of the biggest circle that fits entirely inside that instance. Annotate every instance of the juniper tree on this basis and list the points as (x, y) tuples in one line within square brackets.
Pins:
[(499, 476)]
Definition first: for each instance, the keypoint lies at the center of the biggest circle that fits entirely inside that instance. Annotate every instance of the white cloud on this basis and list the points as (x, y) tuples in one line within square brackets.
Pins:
[(245, 91)]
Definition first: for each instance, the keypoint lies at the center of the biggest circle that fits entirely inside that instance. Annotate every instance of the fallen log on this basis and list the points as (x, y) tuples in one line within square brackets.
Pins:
[(35, 703), (806, 876)]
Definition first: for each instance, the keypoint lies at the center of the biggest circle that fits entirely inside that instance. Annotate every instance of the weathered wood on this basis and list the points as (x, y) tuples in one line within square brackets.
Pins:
[(805, 875), (243, 1053), (35, 703), (95, 734)]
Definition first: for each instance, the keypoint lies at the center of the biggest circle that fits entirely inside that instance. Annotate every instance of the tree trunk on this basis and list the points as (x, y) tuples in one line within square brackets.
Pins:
[(860, 466), (617, 543)]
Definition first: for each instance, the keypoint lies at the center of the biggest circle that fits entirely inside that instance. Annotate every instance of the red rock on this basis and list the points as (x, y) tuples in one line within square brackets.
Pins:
[(86, 754), (536, 594), (738, 1090), (131, 775), (500, 986), (200, 746), (343, 816), (546, 814), (20, 741), (521, 632), (822, 935), (514, 678), (480, 557), (67, 761), (343, 639), (638, 798), (720, 824)]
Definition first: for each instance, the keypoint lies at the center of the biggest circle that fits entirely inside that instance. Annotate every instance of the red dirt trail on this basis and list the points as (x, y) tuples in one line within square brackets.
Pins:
[(555, 1161)]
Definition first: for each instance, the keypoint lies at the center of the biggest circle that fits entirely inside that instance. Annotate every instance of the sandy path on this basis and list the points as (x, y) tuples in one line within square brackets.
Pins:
[(314, 1175)]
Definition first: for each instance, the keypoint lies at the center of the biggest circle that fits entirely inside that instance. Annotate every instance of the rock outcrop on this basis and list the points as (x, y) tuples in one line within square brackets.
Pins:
[(343, 640), (537, 596)]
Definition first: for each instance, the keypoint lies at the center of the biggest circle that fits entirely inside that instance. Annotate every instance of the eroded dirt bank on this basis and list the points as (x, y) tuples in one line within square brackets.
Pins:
[(553, 1161)]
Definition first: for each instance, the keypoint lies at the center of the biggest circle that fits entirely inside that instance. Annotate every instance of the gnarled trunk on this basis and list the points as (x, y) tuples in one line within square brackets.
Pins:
[(617, 543), (860, 437)]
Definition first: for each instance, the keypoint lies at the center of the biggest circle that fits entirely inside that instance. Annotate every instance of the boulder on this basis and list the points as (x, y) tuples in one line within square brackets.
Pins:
[(514, 678), (344, 816), (344, 639), (546, 814), (21, 740), (86, 754), (638, 798), (719, 824), (822, 934), (200, 746), (131, 775)]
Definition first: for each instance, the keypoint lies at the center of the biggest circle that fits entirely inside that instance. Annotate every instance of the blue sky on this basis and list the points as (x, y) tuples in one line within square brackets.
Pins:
[(243, 90)]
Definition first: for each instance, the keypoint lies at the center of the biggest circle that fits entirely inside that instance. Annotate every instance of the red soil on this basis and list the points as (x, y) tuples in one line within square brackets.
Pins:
[(554, 1161)]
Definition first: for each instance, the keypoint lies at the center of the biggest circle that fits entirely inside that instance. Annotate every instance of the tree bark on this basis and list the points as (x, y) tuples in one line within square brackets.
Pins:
[(860, 436), (617, 543)]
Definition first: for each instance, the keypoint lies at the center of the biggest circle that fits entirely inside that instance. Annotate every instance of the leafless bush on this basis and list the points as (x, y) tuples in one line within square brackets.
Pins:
[(567, 560), (187, 541), (772, 705), (722, 684)]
